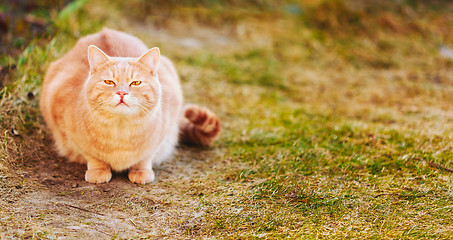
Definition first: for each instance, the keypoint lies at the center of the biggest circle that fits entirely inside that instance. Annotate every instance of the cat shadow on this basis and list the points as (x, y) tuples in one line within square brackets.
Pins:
[(62, 177), (58, 175)]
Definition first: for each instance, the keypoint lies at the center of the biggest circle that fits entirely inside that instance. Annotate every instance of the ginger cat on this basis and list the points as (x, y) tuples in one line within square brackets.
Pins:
[(120, 107)]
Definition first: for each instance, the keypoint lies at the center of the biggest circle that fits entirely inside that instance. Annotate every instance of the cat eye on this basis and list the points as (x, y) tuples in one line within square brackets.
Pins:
[(109, 82), (135, 83)]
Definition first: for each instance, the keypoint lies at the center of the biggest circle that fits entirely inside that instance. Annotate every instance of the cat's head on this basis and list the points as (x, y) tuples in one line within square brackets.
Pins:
[(123, 86)]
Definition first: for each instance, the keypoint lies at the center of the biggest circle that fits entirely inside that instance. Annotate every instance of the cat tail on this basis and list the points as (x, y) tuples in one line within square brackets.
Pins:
[(199, 126)]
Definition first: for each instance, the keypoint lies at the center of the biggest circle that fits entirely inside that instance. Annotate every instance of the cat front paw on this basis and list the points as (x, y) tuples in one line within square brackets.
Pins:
[(141, 176), (98, 175)]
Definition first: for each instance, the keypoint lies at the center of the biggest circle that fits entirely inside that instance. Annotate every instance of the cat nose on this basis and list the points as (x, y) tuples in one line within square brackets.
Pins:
[(122, 93)]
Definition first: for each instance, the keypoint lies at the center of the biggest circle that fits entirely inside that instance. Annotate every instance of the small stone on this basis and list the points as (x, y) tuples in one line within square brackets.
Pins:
[(14, 132)]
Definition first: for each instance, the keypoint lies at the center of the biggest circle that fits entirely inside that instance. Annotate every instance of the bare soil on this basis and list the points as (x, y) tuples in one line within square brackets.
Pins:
[(48, 197)]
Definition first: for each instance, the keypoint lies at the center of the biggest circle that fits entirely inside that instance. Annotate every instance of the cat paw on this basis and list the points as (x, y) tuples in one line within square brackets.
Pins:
[(141, 176), (98, 175)]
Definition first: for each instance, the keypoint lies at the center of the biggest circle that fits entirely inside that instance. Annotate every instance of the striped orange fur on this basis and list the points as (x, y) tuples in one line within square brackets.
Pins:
[(115, 105), (199, 126)]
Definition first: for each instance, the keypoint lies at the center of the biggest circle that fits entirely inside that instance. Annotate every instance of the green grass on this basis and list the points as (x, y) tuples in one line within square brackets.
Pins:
[(334, 114)]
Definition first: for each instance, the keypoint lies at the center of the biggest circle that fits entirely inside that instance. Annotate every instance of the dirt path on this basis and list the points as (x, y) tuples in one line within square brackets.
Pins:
[(50, 199)]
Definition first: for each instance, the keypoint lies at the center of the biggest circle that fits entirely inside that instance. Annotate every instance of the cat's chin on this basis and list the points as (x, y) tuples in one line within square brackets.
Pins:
[(123, 109)]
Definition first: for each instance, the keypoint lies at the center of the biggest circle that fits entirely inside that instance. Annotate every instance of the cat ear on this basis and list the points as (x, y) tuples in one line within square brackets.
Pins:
[(151, 59), (96, 57)]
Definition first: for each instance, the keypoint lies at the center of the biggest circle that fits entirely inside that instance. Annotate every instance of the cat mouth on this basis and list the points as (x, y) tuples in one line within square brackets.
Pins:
[(122, 103)]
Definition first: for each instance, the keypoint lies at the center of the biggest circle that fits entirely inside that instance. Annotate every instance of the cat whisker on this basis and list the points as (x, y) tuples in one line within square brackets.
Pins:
[(95, 107), (145, 111)]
